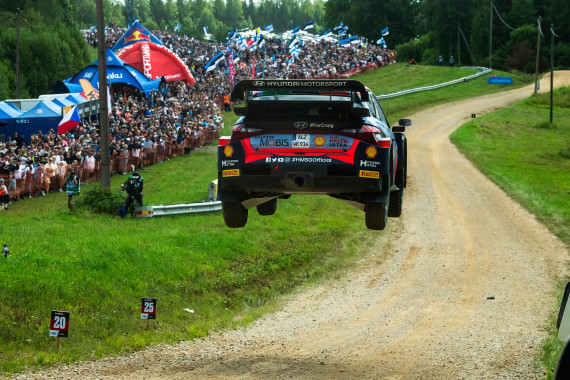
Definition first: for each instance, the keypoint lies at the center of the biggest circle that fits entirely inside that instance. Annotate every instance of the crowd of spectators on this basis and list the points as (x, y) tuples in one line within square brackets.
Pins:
[(173, 120)]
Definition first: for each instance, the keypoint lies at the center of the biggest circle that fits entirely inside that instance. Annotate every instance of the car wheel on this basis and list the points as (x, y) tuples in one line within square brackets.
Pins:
[(267, 208), (405, 166), (235, 215), (376, 215), (395, 204)]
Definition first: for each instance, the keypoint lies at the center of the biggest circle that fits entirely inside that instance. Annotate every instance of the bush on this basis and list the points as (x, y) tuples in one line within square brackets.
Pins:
[(414, 49), (99, 200)]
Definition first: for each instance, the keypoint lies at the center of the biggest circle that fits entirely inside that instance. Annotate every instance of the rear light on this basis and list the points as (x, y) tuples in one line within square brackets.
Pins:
[(240, 131), (385, 142), (224, 140), (371, 134)]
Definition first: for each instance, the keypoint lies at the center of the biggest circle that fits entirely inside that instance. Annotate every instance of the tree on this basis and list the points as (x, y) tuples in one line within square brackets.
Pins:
[(234, 17), (442, 18)]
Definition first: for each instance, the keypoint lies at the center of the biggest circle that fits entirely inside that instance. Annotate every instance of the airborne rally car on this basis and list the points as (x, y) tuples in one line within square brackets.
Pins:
[(311, 137)]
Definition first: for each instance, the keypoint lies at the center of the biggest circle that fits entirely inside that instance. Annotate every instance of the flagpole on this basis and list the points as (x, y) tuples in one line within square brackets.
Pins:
[(264, 60), (103, 107)]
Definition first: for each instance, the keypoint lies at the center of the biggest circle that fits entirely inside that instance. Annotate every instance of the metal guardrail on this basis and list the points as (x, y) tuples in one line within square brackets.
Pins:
[(184, 208), (483, 71)]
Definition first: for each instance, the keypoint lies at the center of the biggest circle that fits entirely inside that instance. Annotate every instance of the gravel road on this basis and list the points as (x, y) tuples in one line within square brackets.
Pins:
[(459, 287)]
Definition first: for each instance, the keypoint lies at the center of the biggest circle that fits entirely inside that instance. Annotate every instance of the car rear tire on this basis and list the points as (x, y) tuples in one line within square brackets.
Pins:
[(267, 208), (235, 215), (376, 215), (396, 203)]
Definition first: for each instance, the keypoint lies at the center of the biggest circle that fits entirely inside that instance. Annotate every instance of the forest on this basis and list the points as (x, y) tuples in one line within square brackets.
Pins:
[(501, 34)]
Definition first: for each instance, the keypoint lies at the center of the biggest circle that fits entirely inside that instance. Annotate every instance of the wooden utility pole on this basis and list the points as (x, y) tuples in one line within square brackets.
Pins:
[(491, 37), (18, 55), (551, 69), (458, 47), (537, 56), (103, 107)]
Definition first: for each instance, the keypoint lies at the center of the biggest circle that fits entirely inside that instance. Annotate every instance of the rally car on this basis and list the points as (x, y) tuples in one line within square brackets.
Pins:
[(311, 137)]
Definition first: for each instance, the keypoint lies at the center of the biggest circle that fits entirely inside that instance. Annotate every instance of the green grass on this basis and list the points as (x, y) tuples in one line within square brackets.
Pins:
[(529, 158), (402, 106), (98, 268)]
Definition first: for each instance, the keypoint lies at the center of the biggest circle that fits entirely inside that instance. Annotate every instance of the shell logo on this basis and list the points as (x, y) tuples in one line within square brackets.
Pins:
[(228, 151), (319, 141), (371, 152)]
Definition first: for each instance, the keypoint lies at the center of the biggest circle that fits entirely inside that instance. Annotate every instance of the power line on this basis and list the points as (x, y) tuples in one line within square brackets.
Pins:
[(500, 18), (555, 35), (466, 43), (540, 28)]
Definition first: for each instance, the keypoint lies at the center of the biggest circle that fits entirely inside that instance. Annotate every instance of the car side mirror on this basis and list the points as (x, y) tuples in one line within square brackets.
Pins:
[(405, 122)]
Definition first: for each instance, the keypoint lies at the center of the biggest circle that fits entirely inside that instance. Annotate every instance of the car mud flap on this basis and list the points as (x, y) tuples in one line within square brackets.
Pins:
[(253, 202), (360, 200), (229, 196)]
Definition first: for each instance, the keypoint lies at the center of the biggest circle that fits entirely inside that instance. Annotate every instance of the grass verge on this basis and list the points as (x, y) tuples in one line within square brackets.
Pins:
[(529, 158)]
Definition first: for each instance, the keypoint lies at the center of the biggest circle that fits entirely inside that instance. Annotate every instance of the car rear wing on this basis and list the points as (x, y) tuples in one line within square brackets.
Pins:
[(246, 90)]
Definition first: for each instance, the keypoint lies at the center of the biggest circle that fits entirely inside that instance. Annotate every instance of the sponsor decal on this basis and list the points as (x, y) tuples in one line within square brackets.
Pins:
[(230, 173), (88, 75), (314, 83), (146, 60), (371, 152), (114, 76), (272, 141), (369, 174), (39, 111), (23, 121), (321, 125), (300, 124), (228, 151), (317, 160), (319, 141), (369, 164), (137, 36), (272, 160), (338, 142), (230, 163)]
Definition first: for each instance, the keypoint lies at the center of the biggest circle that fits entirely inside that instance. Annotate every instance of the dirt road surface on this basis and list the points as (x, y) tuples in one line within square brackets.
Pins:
[(459, 287)]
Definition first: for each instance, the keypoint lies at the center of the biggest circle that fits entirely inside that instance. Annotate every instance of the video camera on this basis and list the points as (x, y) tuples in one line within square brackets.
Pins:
[(133, 186)]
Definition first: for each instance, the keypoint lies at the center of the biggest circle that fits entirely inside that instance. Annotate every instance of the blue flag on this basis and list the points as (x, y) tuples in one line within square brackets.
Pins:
[(385, 31), (214, 62)]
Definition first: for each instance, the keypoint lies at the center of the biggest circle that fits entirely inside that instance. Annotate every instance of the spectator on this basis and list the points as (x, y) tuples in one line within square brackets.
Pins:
[(71, 187), (51, 172), (4, 197)]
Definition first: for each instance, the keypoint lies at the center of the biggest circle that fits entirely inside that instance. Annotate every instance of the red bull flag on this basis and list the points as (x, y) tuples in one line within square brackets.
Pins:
[(136, 33), (69, 121)]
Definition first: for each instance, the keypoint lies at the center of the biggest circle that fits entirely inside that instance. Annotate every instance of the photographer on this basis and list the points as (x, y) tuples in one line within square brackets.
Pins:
[(71, 186), (134, 188)]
